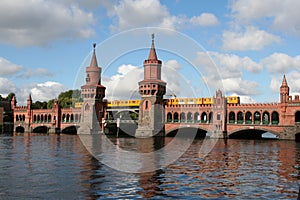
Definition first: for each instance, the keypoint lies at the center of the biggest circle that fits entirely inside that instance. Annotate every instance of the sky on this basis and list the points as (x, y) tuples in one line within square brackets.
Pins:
[(241, 47)]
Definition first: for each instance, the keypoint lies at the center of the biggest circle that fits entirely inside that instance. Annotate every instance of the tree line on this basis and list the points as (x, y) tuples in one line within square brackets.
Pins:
[(65, 99)]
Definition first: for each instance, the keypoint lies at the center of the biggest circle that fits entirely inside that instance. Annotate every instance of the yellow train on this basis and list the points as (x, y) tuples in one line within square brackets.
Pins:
[(175, 101), (123, 103)]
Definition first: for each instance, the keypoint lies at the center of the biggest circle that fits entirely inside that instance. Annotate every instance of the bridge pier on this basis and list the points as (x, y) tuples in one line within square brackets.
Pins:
[(218, 134)]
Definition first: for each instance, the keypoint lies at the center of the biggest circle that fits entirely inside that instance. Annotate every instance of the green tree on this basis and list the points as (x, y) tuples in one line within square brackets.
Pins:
[(39, 105), (10, 96), (50, 104)]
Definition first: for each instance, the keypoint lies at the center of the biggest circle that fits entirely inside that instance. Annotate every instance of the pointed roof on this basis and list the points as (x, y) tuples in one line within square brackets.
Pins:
[(284, 82), (152, 54), (29, 97), (94, 62)]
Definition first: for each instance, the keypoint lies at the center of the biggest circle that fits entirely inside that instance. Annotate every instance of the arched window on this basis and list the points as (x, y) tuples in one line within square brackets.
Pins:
[(240, 118), (275, 118), (38, 119), (146, 105), (68, 118), (87, 107), (42, 118), (23, 117), (76, 117), (204, 117), (231, 117), (248, 118), (297, 117), (72, 118), (210, 117), (169, 117), (63, 119), (257, 118), (182, 117), (176, 116), (17, 117), (49, 118), (34, 118), (266, 118), (196, 117), (189, 117)]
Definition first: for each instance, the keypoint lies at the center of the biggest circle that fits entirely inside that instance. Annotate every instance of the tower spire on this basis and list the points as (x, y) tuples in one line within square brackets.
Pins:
[(284, 82), (152, 54), (94, 58)]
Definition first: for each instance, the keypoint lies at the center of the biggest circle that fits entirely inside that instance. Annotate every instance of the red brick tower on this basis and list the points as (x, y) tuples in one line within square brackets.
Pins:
[(219, 116), (284, 91), (92, 93), (29, 110), (152, 89)]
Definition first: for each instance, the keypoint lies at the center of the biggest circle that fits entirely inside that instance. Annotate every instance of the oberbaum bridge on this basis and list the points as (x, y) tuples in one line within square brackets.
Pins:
[(218, 116)]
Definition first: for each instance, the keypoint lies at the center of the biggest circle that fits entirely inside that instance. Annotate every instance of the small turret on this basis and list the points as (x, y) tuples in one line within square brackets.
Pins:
[(284, 91)]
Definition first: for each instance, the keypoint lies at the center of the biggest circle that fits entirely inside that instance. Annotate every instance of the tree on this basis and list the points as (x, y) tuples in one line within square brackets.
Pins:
[(10, 96), (39, 105)]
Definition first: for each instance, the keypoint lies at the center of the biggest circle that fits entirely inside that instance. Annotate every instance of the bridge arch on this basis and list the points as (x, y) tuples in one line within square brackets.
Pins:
[(200, 133), (71, 130), (297, 117), (41, 129), (126, 115), (20, 129), (248, 133)]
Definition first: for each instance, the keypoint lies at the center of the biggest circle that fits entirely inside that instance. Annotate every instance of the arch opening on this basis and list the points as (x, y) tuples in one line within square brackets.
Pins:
[(200, 133), (297, 117), (252, 134), (20, 129), (40, 129), (126, 115), (70, 130), (297, 137)]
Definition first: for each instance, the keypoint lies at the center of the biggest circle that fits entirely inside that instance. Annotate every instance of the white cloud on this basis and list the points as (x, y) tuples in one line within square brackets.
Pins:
[(30, 72), (230, 65), (205, 19), (8, 68), (124, 84), (225, 71), (281, 63), (46, 91), (281, 15), (251, 39), (133, 13), (6, 87), (39, 22), (293, 80)]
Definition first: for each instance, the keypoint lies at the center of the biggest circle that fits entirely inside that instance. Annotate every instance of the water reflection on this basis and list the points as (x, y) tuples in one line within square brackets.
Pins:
[(59, 167)]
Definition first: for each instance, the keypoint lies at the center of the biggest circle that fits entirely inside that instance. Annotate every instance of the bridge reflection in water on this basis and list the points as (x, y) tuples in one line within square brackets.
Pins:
[(240, 169)]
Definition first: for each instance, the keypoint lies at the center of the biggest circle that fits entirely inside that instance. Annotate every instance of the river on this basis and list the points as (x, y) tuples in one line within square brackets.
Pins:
[(37, 166)]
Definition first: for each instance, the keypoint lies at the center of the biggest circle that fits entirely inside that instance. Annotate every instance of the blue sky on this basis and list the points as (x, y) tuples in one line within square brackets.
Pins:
[(243, 47)]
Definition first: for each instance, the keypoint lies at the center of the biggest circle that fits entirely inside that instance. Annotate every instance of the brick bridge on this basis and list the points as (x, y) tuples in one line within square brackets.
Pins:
[(54, 120), (217, 116)]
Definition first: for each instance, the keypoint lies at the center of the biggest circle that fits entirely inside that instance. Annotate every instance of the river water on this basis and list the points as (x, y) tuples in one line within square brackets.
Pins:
[(34, 166)]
